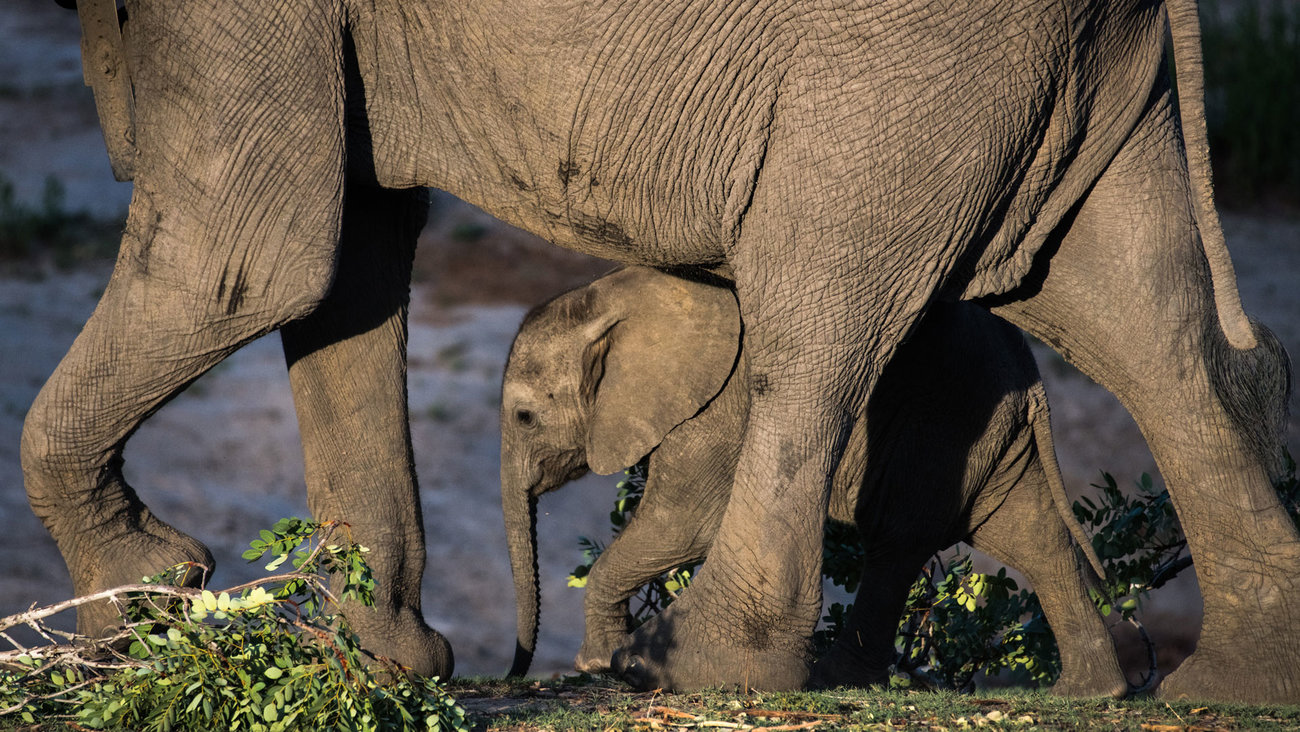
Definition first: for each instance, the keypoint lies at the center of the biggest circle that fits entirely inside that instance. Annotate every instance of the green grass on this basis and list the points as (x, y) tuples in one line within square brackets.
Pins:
[(587, 703)]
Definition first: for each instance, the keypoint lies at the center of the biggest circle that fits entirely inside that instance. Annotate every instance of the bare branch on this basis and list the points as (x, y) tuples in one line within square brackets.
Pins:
[(27, 618)]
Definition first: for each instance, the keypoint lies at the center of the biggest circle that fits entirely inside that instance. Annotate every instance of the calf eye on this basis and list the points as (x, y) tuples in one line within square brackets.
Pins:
[(525, 417)]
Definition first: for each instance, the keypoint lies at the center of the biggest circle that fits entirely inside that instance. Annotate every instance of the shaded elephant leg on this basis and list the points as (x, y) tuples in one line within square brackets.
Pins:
[(347, 367), (864, 649), (1148, 331), (1027, 532)]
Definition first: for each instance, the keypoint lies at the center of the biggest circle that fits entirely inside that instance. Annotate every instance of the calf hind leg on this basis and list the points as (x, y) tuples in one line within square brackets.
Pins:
[(1027, 532)]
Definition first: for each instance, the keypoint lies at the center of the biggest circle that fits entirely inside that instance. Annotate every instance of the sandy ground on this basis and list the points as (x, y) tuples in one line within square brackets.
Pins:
[(223, 459)]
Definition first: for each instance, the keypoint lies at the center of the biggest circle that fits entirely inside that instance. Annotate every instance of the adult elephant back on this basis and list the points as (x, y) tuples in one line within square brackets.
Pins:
[(846, 163)]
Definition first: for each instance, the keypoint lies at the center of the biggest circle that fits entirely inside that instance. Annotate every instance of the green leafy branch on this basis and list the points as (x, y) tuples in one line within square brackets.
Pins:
[(268, 655)]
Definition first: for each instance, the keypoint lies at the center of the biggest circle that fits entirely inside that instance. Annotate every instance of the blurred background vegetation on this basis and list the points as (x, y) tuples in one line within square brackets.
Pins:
[(1252, 70)]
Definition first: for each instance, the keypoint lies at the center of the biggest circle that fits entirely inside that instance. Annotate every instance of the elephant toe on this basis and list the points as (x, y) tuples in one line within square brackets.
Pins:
[(635, 671)]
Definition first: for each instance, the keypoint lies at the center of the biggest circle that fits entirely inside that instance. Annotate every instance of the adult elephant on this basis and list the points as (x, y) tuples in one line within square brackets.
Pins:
[(847, 163)]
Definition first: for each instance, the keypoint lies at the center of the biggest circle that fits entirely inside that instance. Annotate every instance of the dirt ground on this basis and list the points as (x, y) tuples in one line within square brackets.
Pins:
[(223, 460)]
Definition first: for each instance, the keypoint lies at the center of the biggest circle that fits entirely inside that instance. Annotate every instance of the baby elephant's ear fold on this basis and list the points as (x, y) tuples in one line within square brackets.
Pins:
[(672, 350)]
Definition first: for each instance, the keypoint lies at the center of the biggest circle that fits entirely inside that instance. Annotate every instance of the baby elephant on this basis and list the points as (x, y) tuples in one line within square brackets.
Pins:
[(954, 446)]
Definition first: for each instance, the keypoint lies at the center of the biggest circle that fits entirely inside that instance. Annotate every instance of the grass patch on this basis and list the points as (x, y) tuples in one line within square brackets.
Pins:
[(596, 703)]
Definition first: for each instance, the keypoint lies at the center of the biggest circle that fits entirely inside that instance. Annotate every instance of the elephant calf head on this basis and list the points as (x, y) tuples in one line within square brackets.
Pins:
[(585, 388)]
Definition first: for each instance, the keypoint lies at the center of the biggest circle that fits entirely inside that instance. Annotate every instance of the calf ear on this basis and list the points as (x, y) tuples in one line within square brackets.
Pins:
[(670, 349)]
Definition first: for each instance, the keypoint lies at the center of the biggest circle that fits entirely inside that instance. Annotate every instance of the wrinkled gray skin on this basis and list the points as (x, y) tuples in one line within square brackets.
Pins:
[(955, 446), (847, 163)]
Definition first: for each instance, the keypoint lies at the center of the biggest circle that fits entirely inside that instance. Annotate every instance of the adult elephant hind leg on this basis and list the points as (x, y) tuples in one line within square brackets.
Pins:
[(347, 367), (1127, 297)]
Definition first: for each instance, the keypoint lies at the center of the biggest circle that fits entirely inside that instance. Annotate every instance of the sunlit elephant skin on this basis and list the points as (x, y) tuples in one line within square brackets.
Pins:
[(847, 163), (955, 446)]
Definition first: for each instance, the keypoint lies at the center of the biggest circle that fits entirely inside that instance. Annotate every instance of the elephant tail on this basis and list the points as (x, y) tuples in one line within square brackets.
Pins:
[(1040, 417), (1185, 30)]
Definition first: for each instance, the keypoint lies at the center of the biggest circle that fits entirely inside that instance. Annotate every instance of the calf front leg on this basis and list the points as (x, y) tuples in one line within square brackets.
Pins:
[(687, 486)]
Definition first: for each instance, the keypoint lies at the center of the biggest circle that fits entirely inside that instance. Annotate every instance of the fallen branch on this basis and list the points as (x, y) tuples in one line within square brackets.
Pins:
[(113, 593)]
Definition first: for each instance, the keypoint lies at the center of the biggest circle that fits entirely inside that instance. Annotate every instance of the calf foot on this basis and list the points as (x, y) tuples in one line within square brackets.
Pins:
[(1089, 666), (1087, 685)]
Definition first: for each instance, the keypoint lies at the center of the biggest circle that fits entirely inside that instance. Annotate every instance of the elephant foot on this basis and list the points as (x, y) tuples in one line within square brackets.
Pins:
[(1266, 671), (1249, 650), (598, 647), (1089, 666), (1087, 685), (128, 558), (403, 638), (686, 648)]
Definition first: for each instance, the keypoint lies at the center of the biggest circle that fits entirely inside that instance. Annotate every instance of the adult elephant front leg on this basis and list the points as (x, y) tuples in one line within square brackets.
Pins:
[(347, 366), (231, 233), (1128, 297), (748, 617)]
